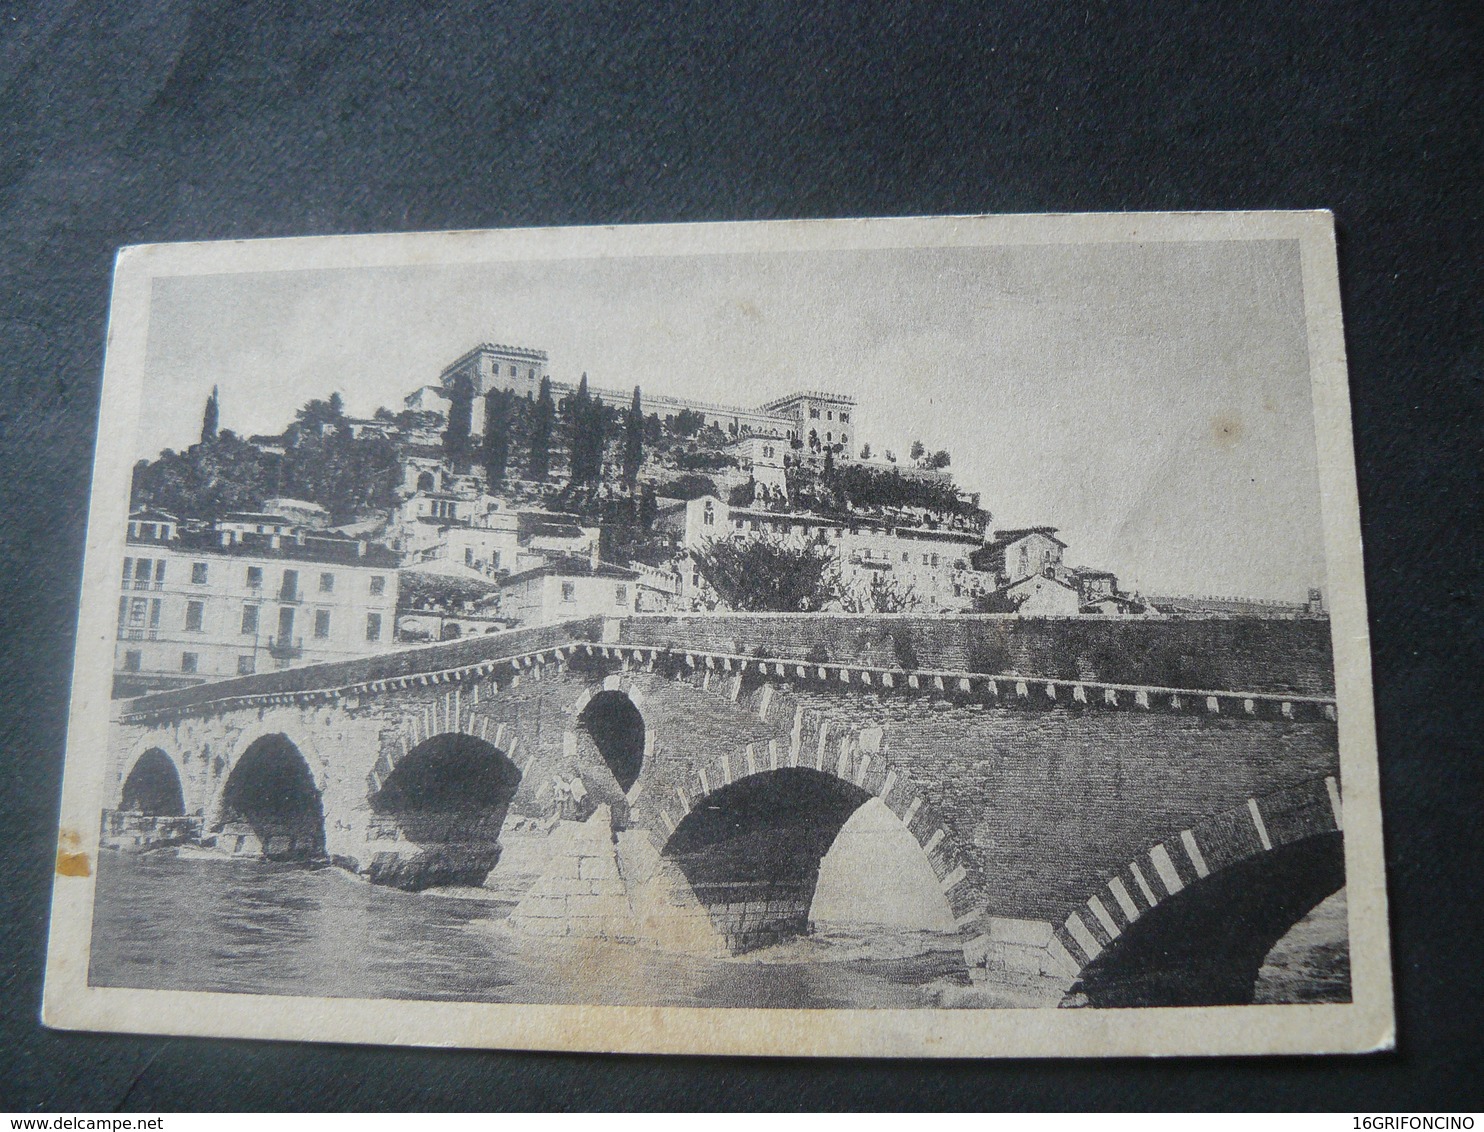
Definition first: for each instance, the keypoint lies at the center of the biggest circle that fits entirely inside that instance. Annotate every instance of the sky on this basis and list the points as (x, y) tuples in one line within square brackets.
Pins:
[(1151, 401)]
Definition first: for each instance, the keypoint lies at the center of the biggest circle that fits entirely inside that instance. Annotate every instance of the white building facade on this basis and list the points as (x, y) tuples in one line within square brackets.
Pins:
[(221, 603), (931, 562), (561, 591)]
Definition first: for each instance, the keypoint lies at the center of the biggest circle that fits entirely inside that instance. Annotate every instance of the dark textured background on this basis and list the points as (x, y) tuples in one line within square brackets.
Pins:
[(122, 123)]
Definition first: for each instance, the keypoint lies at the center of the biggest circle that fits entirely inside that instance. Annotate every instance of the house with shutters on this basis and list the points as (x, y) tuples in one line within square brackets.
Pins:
[(246, 594)]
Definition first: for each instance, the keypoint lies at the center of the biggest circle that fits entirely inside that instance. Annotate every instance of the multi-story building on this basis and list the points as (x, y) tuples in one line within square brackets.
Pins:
[(760, 458), (820, 420), (1013, 555), (931, 560), (230, 600), (493, 366), (517, 369), (565, 588), (483, 533)]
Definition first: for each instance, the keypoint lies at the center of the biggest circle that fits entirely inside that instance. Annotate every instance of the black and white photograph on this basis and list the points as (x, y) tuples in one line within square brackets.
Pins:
[(888, 638)]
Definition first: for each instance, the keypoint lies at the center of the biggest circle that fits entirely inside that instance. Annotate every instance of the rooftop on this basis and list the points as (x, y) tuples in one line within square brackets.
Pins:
[(1006, 537), (810, 394), (319, 546), (525, 353), (572, 567)]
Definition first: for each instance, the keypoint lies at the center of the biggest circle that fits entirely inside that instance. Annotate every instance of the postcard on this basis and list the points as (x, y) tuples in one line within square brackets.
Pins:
[(929, 637)]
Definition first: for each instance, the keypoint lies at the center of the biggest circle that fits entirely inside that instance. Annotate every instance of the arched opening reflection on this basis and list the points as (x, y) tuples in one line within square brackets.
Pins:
[(271, 806), (441, 810), (752, 853)]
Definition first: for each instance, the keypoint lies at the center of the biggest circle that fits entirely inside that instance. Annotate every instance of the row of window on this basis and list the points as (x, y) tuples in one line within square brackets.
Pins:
[(189, 662), (531, 373), (470, 560), (708, 519), (143, 572), (139, 613), (829, 415), (829, 438), (620, 593)]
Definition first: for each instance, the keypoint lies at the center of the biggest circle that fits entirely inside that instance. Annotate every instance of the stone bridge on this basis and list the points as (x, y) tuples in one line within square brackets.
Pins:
[(1131, 811)]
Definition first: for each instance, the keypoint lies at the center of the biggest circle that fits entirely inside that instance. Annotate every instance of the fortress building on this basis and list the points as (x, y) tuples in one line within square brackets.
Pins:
[(516, 369)]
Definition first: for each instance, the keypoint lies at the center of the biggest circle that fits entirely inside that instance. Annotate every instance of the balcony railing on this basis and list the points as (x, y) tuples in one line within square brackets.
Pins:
[(145, 584), (285, 648), (128, 634)]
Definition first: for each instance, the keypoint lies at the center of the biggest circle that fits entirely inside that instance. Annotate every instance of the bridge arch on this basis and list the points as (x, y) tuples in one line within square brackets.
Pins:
[(271, 802), (153, 786), (751, 848), (1190, 921), (612, 719), (166, 742), (447, 796)]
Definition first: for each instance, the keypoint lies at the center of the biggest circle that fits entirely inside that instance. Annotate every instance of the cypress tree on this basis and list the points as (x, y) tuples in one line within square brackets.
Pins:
[(633, 450), (460, 419), (597, 417), (541, 419), (496, 436), (579, 429), (649, 507), (212, 417)]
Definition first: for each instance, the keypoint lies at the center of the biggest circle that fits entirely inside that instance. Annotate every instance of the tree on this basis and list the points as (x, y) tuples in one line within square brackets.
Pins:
[(882, 594), (690, 486), (649, 507), (939, 459), (460, 418), (865, 451), (597, 424), (586, 419), (211, 417), (829, 459), (918, 451), (687, 422), (633, 449), (319, 417), (496, 436), (539, 465), (891, 457), (578, 425), (765, 575)]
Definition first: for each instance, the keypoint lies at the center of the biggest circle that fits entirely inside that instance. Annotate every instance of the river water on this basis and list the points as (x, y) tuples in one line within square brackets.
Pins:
[(163, 921)]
